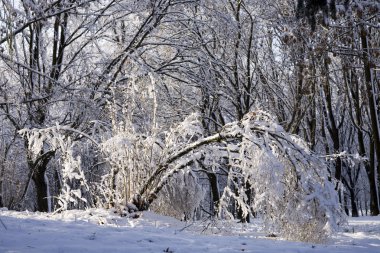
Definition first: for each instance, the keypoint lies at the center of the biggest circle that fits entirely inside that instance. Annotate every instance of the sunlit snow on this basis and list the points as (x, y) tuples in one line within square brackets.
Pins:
[(97, 230)]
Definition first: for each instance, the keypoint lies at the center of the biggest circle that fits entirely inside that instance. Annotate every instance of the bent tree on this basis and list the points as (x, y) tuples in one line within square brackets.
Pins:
[(291, 184)]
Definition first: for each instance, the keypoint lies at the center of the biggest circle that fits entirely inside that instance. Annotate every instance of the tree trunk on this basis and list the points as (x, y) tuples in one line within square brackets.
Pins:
[(331, 124), (1, 185), (354, 207), (215, 192), (38, 169), (345, 204), (374, 201), (249, 194), (41, 190)]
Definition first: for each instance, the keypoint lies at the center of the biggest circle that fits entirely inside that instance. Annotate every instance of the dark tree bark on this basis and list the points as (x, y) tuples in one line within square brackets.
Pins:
[(41, 190), (38, 168), (214, 190), (354, 207), (332, 125)]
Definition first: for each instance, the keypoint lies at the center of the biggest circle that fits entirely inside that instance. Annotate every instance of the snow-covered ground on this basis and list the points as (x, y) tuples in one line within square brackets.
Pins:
[(97, 230)]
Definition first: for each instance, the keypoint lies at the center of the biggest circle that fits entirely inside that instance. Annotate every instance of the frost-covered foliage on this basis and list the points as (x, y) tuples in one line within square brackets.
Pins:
[(269, 172), (133, 157), (72, 179), (186, 132), (180, 197), (289, 184), (291, 187)]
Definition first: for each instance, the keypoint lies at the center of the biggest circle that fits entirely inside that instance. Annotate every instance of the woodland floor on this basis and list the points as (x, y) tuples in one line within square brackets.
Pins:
[(97, 230)]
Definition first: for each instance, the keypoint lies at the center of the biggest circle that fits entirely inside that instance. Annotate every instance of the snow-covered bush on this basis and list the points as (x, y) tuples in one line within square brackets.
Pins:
[(133, 157), (130, 157), (72, 179)]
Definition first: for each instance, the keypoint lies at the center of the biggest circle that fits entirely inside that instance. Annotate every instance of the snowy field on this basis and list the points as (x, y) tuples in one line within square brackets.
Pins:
[(103, 231)]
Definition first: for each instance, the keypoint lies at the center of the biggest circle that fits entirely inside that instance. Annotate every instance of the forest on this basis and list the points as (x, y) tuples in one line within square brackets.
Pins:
[(217, 109)]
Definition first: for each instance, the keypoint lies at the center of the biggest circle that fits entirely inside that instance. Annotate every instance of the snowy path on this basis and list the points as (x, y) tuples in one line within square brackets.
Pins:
[(79, 231)]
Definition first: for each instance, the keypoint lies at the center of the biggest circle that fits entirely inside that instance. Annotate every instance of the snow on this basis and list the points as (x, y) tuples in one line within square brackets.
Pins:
[(99, 230)]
